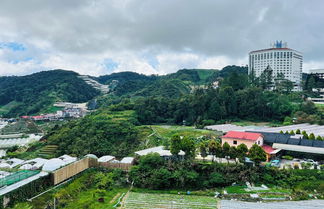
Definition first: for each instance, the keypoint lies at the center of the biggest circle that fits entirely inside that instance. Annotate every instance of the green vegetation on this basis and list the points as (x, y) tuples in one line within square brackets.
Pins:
[(36, 93), (21, 126), (101, 133), (152, 172), (137, 200), (92, 189)]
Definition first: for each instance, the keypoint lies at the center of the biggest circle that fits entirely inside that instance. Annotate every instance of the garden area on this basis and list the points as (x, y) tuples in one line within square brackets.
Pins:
[(137, 200)]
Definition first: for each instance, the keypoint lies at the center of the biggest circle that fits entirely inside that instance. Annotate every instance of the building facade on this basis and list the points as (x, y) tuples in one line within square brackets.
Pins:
[(281, 60)]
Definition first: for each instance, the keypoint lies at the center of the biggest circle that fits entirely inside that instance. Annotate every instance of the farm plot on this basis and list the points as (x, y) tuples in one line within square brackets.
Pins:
[(153, 201)]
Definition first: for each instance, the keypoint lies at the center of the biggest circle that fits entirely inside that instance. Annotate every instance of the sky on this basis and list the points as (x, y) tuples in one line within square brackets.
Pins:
[(98, 37)]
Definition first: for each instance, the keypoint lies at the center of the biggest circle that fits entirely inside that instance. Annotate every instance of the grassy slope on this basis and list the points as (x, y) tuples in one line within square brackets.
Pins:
[(156, 135)]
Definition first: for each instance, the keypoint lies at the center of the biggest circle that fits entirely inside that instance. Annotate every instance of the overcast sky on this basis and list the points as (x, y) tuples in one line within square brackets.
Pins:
[(99, 37)]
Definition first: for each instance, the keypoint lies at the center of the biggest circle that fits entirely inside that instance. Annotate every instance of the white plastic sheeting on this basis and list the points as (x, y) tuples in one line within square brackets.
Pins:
[(5, 143), (53, 164), (127, 160), (68, 158), (26, 167), (106, 158), (4, 165), (91, 156)]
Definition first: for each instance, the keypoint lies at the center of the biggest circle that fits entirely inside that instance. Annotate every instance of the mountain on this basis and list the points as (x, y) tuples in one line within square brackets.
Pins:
[(35, 93), (30, 94)]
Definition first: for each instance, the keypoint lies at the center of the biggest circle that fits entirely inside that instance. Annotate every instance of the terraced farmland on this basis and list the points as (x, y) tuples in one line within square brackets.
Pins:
[(48, 151), (153, 201)]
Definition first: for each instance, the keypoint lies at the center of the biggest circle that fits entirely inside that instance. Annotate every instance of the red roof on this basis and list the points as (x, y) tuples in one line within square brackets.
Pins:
[(268, 149), (242, 135)]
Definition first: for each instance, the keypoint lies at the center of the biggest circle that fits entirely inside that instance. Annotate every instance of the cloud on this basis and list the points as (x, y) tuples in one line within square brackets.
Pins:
[(152, 36)]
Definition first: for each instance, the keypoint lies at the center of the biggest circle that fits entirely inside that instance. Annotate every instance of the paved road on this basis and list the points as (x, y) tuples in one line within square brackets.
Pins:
[(310, 204)]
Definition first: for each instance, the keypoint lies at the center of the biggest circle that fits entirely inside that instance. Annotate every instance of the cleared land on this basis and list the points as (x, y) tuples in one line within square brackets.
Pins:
[(137, 200)]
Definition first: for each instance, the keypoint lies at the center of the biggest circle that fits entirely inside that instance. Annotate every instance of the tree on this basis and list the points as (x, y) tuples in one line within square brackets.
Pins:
[(233, 153), (257, 154), (203, 149), (175, 145), (308, 107), (319, 137), (214, 148), (188, 146), (291, 132), (281, 132), (226, 150), (297, 131), (242, 152)]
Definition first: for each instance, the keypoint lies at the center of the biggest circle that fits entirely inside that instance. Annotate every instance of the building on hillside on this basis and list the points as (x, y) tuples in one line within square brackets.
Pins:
[(235, 138), (317, 72), (281, 60)]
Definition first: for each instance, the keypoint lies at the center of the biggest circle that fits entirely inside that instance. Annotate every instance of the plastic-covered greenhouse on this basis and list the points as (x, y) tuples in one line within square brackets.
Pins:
[(16, 177)]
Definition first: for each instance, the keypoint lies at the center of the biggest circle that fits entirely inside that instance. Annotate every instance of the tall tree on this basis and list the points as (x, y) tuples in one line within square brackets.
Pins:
[(242, 152), (203, 149), (257, 154), (175, 145)]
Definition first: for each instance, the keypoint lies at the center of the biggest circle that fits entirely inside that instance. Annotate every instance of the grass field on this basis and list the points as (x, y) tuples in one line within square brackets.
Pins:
[(156, 135), (137, 200)]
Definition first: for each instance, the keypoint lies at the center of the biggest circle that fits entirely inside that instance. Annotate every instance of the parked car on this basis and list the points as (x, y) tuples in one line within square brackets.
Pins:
[(275, 163), (312, 161)]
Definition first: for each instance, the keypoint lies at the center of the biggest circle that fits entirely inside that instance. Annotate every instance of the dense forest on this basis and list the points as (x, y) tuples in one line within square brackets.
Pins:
[(33, 93), (100, 133), (236, 97)]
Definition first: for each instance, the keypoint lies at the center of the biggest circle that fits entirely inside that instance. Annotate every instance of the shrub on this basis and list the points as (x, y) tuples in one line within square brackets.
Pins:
[(291, 132), (319, 138), (311, 136), (287, 157), (306, 165), (297, 131), (322, 167)]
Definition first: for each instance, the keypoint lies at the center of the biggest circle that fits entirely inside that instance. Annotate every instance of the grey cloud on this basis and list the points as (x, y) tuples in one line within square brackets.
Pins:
[(209, 28)]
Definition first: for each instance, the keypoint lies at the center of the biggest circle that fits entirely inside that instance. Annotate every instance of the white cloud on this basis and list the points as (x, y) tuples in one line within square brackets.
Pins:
[(80, 34)]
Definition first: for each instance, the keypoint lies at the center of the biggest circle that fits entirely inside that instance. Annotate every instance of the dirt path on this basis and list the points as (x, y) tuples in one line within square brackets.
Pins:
[(114, 199)]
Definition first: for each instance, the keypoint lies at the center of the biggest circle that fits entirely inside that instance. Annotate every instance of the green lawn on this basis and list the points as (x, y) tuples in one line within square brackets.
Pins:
[(137, 200)]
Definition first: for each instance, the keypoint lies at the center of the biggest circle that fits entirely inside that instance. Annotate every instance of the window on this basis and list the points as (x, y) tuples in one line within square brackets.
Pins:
[(234, 142), (258, 142)]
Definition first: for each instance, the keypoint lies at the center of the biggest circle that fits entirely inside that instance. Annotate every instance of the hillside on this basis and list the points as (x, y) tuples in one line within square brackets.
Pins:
[(30, 94)]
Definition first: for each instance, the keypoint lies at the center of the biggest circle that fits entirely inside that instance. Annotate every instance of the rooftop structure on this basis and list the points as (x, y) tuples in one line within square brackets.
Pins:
[(318, 130), (242, 135)]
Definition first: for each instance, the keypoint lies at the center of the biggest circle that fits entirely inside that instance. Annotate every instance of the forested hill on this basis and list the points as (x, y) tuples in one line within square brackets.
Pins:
[(35, 93), (131, 84), (20, 95)]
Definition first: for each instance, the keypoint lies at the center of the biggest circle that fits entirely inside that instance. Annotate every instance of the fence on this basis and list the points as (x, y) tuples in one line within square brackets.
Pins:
[(68, 171), (123, 166)]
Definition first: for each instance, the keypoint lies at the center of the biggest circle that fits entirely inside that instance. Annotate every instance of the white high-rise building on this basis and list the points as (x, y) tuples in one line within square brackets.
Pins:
[(281, 60)]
